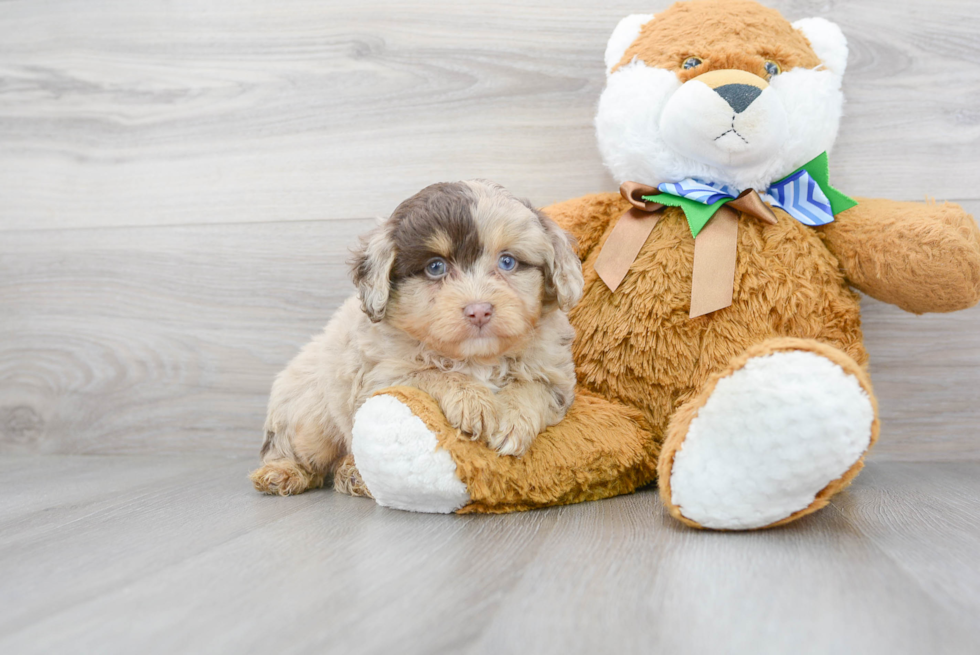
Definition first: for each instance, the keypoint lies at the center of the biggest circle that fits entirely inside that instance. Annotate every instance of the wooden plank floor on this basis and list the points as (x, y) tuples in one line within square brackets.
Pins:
[(167, 554)]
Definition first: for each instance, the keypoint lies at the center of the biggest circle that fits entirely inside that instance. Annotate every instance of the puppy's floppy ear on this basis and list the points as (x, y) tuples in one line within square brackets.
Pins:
[(371, 270), (563, 277)]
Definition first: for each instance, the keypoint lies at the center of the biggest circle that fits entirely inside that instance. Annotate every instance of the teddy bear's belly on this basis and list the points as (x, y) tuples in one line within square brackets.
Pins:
[(639, 346)]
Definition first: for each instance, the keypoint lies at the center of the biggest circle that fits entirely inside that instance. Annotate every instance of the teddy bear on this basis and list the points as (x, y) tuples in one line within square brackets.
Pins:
[(718, 344)]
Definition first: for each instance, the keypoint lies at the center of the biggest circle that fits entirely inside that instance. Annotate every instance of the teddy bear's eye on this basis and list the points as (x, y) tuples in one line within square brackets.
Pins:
[(772, 69), (691, 62)]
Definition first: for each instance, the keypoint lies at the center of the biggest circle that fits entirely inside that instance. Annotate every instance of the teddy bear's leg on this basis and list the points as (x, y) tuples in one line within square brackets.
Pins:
[(398, 457), (770, 439), (409, 457)]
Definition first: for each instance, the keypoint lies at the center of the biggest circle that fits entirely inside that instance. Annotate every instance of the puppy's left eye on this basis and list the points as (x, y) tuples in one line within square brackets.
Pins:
[(507, 262), (772, 69), (436, 268), (691, 62)]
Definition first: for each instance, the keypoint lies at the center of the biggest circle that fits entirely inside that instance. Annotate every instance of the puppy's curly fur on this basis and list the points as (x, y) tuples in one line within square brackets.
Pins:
[(462, 293)]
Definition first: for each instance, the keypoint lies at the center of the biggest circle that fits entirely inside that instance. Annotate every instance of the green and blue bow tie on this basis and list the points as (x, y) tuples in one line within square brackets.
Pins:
[(805, 194)]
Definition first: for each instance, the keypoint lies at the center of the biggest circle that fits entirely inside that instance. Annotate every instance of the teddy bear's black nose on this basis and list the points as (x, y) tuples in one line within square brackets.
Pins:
[(738, 96)]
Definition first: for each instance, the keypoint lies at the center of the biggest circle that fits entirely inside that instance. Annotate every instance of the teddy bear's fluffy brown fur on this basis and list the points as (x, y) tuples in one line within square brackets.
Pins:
[(645, 368), (639, 347), (639, 357)]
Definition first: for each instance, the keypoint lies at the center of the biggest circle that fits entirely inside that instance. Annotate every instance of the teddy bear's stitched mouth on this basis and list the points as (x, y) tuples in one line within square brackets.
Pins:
[(732, 130)]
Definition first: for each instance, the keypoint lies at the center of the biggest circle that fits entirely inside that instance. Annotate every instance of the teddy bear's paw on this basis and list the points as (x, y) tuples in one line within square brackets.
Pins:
[(771, 442), (399, 461)]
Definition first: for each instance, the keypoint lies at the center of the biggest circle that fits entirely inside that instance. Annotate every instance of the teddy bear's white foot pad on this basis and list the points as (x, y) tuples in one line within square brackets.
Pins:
[(770, 437), (398, 459)]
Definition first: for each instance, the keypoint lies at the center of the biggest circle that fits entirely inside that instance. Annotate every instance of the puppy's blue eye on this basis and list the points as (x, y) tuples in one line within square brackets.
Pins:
[(436, 268), (772, 69), (691, 62), (506, 263)]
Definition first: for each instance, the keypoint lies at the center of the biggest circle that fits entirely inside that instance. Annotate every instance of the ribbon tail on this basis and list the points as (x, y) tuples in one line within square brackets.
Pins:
[(713, 277), (623, 245)]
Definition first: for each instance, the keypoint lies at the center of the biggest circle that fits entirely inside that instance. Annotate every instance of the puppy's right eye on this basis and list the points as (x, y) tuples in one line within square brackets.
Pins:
[(691, 62), (436, 268), (506, 262)]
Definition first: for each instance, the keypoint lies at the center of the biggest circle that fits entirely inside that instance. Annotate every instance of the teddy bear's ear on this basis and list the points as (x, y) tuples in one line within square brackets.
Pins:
[(828, 42), (622, 38)]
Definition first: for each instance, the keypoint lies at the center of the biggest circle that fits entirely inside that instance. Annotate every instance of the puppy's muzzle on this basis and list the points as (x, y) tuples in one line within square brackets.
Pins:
[(478, 313), (736, 87)]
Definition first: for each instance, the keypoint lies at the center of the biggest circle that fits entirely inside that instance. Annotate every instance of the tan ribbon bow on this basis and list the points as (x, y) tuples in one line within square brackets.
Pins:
[(713, 277)]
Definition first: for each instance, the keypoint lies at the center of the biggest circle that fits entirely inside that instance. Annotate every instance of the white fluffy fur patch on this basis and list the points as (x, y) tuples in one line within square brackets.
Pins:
[(770, 437), (630, 129), (623, 36), (699, 124), (400, 462), (828, 42), (628, 124)]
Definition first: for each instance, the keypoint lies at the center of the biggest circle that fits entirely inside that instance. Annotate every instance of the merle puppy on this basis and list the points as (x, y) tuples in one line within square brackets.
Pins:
[(462, 293)]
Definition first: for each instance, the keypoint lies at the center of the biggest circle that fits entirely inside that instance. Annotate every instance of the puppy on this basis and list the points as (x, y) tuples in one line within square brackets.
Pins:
[(462, 293)]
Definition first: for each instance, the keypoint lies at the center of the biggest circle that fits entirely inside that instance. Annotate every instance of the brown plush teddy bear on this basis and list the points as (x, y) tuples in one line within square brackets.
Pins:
[(719, 344)]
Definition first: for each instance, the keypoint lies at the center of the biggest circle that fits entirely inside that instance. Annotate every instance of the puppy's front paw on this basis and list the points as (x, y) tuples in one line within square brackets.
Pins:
[(516, 430), (472, 409), (284, 478)]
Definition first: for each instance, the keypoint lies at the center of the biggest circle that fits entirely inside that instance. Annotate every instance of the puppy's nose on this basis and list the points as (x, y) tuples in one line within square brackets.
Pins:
[(478, 313), (739, 96)]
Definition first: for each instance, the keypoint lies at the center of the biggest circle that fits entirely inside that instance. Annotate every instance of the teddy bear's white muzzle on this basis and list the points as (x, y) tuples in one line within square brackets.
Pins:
[(732, 125)]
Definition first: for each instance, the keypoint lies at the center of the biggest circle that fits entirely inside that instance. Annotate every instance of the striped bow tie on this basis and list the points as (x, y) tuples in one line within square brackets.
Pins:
[(805, 194)]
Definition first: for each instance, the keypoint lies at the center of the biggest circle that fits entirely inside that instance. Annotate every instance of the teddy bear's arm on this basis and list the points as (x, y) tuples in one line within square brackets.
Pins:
[(587, 218), (920, 257)]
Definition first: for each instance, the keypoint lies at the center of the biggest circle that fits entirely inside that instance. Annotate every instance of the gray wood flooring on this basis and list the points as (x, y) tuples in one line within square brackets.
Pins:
[(163, 554), (179, 185)]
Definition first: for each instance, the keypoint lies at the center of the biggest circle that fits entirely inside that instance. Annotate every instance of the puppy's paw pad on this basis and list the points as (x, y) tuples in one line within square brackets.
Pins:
[(283, 479)]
